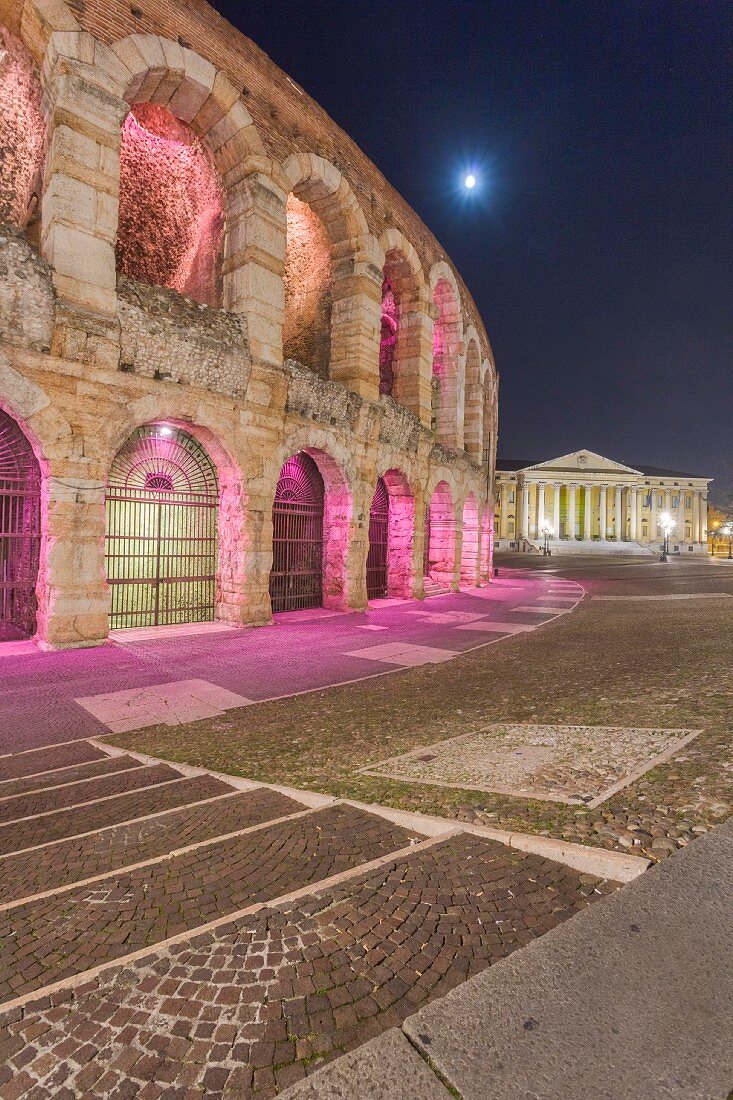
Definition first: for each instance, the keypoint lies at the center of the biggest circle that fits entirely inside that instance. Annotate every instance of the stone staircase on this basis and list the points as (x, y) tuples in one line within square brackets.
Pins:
[(433, 588)]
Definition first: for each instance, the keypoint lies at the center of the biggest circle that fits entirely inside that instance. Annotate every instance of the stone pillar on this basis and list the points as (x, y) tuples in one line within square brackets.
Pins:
[(540, 508), (681, 515), (556, 509), (414, 357), (667, 500), (632, 504), (696, 535), (703, 517), (653, 532), (617, 516), (603, 530), (81, 190), (571, 510), (588, 512), (255, 262), (356, 321), (525, 512)]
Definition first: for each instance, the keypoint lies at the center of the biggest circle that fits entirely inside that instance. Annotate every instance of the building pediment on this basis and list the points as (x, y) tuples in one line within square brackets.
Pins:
[(583, 461)]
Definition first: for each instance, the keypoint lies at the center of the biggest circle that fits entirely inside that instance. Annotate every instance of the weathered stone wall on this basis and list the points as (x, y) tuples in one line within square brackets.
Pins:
[(164, 335), (22, 133), (26, 293), (308, 291)]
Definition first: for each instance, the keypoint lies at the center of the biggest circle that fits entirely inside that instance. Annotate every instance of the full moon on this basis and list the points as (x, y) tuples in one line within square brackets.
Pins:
[(470, 181)]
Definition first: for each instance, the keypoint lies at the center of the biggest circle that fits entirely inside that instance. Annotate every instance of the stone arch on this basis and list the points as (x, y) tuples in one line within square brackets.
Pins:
[(489, 411), (401, 533), (439, 561), (339, 520), (22, 136), (332, 294), (474, 401), (23, 488), (408, 358), (235, 600), (448, 374)]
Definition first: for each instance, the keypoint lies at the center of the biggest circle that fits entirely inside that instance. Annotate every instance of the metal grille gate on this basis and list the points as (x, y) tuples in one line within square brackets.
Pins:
[(376, 568), (161, 551), (296, 579), (20, 531)]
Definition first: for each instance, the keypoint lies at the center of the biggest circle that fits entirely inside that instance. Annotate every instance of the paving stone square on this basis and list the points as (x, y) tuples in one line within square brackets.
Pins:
[(402, 653), (170, 704), (575, 764)]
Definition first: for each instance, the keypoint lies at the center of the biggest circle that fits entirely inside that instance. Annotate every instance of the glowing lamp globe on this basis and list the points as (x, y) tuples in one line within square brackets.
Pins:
[(470, 181)]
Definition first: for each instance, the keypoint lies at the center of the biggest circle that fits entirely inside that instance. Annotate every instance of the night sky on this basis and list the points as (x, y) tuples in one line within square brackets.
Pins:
[(599, 247)]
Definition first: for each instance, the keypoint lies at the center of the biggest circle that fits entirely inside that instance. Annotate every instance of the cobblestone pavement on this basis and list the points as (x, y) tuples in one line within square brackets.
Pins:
[(89, 790), (34, 762), (110, 811), (79, 858), (44, 940), (45, 780), (256, 1004), (651, 664)]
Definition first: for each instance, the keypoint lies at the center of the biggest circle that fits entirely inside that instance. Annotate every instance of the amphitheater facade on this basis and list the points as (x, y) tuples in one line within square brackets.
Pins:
[(237, 373)]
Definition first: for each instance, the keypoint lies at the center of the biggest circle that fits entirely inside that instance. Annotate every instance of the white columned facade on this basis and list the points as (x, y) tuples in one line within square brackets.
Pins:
[(604, 513), (556, 509), (525, 511), (703, 518), (681, 517), (633, 511), (571, 509), (696, 516), (540, 507), (618, 527), (587, 511), (667, 500), (653, 533)]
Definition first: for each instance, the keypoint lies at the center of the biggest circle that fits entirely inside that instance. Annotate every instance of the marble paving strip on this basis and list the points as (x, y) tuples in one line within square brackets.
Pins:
[(404, 654), (490, 627)]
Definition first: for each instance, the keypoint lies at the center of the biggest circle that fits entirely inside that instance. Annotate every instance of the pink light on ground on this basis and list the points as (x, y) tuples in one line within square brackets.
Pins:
[(171, 205), (22, 133), (388, 339)]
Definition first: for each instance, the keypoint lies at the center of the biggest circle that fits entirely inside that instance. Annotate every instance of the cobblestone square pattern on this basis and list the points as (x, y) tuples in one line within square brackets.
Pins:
[(575, 764)]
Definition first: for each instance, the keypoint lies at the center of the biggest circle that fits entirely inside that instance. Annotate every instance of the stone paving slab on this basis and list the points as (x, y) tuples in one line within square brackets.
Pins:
[(109, 811), (58, 798), (631, 1001), (41, 760), (79, 858), (576, 764), (171, 704), (256, 1004), (387, 1068), (52, 938), (56, 778)]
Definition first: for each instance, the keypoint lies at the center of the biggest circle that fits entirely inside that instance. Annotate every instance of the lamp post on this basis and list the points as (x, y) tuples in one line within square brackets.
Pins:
[(547, 532), (667, 524), (727, 532)]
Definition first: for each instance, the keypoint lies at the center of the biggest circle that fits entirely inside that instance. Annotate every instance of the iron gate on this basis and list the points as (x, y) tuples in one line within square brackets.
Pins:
[(296, 579), (20, 531), (376, 568), (161, 550)]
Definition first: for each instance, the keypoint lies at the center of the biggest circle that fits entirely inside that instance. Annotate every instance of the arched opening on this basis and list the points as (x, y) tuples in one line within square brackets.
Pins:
[(296, 577), (22, 134), (400, 534), (474, 410), (20, 531), (440, 537), (171, 217), (446, 341), (388, 339), (162, 504), (378, 555), (308, 282), (489, 530), (470, 561), (487, 413)]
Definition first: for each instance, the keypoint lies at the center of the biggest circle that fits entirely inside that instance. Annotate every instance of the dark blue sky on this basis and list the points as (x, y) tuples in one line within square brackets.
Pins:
[(599, 251)]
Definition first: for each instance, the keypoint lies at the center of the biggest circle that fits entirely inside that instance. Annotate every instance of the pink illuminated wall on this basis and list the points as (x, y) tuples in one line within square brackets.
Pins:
[(400, 569), (387, 339), (442, 541), (470, 563), (22, 133), (171, 206), (308, 278)]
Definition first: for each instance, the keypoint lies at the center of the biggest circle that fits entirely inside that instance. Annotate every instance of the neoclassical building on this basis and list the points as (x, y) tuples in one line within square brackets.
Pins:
[(595, 505), (238, 374)]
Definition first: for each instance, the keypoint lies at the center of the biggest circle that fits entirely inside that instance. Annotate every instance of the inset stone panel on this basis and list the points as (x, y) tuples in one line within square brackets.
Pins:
[(575, 764)]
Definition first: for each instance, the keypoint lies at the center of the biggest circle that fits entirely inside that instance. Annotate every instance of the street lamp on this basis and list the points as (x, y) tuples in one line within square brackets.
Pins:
[(667, 525), (547, 532), (727, 532)]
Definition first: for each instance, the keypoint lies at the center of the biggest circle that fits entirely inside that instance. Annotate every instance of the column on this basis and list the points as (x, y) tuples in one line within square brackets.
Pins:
[(653, 532), (617, 513), (696, 516), (571, 511), (632, 503), (604, 512), (556, 510), (681, 515), (525, 512), (703, 518), (667, 500), (587, 511), (540, 508)]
